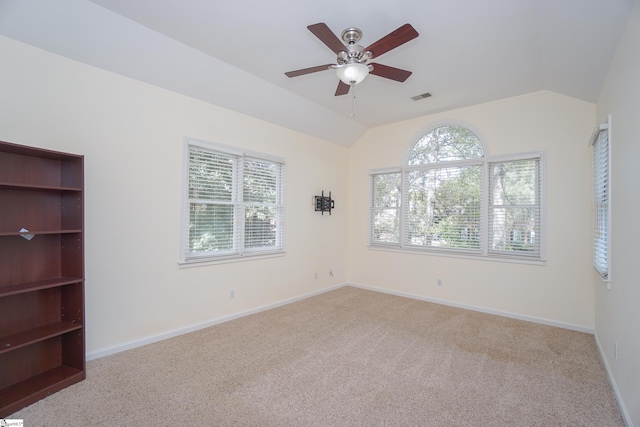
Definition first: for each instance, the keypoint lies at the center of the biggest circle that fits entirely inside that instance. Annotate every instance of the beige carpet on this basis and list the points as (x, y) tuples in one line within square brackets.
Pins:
[(349, 357)]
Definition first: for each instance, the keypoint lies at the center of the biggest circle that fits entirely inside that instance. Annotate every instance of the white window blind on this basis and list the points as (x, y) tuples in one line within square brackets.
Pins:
[(443, 207), (385, 208), (211, 202), (263, 207), (515, 211), (601, 194), (235, 205)]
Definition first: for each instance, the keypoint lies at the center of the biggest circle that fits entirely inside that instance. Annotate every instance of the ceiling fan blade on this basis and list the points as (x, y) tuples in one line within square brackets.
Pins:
[(309, 70), (388, 72), (326, 36), (392, 40), (342, 88)]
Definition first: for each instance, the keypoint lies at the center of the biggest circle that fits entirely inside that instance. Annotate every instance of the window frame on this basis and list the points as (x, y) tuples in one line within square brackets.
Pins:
[(541, 204), (485, 161), (375, 208), (239, 251), (602, 245)]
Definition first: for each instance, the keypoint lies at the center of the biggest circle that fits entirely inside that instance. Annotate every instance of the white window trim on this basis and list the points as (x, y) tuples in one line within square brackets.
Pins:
[(197, 261)]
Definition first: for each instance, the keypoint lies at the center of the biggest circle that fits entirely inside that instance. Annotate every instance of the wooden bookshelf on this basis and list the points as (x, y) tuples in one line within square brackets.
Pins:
[(42, 338)]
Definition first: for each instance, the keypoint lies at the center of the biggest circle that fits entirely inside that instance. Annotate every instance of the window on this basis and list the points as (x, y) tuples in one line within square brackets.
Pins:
[(385, 226), (443, 185), (449, 198), (234, 204), (514, 207), (601, 192)]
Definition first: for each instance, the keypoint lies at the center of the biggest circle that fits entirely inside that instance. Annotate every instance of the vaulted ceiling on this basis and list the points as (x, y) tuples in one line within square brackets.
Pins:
[(234, 53)]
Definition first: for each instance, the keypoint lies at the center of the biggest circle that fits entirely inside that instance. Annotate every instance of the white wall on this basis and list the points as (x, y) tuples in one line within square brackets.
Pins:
[(131, 135), (560, 292), (617, 314)]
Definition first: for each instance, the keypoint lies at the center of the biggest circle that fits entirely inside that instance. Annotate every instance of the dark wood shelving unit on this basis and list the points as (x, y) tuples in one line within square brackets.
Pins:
[(42, 337)]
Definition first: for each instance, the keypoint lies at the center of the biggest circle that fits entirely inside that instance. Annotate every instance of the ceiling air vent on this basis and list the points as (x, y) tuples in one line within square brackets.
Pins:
[(421, 96)]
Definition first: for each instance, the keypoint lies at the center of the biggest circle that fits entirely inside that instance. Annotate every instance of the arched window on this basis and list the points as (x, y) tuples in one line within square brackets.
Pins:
[(445, 143), (443, 182), (449, 197)]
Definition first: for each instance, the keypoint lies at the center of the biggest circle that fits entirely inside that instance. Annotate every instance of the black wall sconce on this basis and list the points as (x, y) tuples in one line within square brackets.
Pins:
[(324, 203)]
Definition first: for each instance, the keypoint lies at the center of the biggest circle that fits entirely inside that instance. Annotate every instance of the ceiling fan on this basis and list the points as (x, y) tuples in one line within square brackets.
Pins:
[(352, 66)]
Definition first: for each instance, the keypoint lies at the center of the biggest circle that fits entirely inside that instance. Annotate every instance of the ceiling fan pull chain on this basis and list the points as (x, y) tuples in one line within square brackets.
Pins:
[(353, 99)]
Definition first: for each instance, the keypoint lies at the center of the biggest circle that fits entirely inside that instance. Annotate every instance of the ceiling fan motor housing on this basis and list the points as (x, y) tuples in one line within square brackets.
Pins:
[(351, 35), (355, 52)]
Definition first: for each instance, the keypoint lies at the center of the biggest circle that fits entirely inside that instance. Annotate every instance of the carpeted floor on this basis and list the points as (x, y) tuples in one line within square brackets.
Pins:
[(349, 357)]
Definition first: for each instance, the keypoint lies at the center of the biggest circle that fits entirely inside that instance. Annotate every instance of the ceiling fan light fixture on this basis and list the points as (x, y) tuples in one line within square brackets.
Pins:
[(352, 73)]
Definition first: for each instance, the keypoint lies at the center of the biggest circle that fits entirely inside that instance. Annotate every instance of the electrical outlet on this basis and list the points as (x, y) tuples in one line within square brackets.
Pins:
[(439, 282), (615, 349), (315, 276), (232, 294)]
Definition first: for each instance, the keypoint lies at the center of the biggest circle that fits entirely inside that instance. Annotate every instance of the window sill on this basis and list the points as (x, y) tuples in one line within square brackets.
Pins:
[(201, 262), (516, 260)]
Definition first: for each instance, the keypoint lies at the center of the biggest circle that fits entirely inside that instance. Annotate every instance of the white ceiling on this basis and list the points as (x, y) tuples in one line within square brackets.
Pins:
[(234, 53)]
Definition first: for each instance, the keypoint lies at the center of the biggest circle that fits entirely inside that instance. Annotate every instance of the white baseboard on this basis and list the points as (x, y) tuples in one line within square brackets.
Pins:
[(614, 386), (180, 331), (533, 319), (192, 328)]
